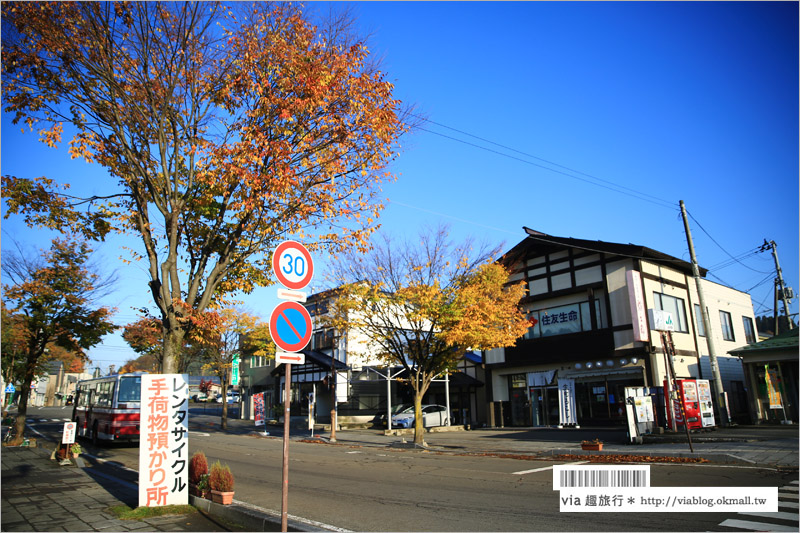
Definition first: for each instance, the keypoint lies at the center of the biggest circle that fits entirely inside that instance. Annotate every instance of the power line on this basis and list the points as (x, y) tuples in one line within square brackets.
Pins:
[(723, 249), (615, 187)]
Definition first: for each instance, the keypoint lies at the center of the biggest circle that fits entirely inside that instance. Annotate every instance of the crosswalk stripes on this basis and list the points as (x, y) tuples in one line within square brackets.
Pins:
[(786, 519), (46, 420)]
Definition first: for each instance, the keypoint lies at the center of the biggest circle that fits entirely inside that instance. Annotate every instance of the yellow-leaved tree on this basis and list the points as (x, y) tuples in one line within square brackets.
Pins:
[(422, 306)]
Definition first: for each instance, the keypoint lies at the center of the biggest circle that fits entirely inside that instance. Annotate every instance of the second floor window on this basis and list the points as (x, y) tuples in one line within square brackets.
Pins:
[(698, 317), (749, 330), (676, 307), (562, 320), (727, 325)]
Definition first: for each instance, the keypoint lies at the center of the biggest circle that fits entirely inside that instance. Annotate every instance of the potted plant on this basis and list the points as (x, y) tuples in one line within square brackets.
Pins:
[(596, 445), (198, 467), (67, 452), (202, 487), (220, 480)]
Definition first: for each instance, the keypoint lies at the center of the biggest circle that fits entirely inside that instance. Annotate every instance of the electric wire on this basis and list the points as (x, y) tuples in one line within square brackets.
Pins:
[(615, 188), (633, 192), (723, 249)]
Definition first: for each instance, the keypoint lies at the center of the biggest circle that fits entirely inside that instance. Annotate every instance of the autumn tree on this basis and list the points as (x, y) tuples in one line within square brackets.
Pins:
[(221, 334), (52, 299), (146, 337), (421, 306), (224, 128)]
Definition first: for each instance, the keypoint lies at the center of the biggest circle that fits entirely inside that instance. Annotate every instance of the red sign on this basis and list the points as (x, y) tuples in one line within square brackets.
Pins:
[(292, 265), (290, 326)]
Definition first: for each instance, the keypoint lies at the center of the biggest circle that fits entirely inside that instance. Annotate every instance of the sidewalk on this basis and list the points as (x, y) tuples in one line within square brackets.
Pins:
[(40, 495), (753, 445)]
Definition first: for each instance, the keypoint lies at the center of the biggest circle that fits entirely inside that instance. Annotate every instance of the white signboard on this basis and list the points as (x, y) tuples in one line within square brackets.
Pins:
[(69, 433), (638, 310), (662, 320), (293, 358), (566, 401), (164, 440)]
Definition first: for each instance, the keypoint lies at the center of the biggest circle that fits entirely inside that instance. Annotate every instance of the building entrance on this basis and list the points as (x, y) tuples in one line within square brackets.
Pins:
[(544, 403)]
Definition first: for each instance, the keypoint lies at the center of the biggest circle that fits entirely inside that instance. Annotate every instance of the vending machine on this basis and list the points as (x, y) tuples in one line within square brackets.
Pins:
[(706, 404), (686, 394)]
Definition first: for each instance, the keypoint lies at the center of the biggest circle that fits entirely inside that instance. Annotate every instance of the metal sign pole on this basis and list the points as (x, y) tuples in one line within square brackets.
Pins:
[(286, 410)]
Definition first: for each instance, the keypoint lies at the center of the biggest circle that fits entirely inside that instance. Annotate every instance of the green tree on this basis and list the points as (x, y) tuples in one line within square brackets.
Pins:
[(53, 301), (422, 306), (224, 128)]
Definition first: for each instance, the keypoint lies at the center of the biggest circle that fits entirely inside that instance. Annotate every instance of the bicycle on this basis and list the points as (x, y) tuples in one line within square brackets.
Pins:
[(10, 434)]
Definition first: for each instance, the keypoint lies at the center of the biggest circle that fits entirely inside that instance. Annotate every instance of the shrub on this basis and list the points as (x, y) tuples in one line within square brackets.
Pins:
[(198, 466), (220, 478)]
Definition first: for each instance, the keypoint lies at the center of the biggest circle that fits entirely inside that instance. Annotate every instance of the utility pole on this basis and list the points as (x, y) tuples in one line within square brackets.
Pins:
[(712, 352), (780, 287)]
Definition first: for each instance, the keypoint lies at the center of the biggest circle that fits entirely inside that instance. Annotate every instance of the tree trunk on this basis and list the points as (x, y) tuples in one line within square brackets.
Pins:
[(224, 422), (419, 428), (173, 342), (22, 413)]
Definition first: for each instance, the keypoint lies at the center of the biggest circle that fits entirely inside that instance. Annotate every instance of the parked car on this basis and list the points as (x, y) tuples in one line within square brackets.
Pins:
[(202, 397), (432, 416), (233, 397)]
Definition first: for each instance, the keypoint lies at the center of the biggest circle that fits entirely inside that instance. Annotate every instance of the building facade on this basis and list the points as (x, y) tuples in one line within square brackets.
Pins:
[(591, 332)]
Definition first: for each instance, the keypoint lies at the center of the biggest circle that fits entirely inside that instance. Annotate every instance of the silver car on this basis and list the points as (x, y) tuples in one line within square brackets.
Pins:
[(432, 415)]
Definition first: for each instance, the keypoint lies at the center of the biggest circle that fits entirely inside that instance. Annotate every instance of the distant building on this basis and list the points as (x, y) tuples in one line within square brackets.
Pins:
[(582, 331)]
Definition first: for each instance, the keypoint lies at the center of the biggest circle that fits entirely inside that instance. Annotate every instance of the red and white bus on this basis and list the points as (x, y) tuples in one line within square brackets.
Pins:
[(108, 408)]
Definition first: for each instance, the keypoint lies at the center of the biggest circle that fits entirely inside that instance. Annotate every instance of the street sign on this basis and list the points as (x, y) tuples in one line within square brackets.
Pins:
[(10, 388), (292, 265), (661, 320), (235, 370), (290, 357), (290, 326), (69, 433)]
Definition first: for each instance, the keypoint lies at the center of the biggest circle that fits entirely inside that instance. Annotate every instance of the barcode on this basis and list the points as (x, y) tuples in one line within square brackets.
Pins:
[(592, 476)]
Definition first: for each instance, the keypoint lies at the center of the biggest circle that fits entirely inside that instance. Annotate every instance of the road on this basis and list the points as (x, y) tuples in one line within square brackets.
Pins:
[(385, 489)]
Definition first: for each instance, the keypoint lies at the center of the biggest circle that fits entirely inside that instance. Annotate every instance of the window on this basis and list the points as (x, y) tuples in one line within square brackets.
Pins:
[(676, 307), (323, 339), (698, 318), (130, 389), (562, 320), (749, 330), (727, 325)]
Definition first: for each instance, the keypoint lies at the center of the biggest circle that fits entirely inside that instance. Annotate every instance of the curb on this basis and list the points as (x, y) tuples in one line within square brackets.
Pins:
[(251, 517)]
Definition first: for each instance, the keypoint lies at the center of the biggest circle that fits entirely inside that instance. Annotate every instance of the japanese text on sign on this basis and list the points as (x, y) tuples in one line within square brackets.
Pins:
[(164, 440)]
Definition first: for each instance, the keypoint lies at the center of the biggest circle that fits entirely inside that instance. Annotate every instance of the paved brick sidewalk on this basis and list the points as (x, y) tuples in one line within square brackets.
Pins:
[(40, 495)]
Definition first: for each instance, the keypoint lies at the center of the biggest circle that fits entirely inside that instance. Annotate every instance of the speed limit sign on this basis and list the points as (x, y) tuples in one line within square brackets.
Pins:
[(292, 265)]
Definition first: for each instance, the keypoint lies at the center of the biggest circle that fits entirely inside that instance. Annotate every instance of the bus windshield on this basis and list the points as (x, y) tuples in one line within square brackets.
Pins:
[(130, 389)]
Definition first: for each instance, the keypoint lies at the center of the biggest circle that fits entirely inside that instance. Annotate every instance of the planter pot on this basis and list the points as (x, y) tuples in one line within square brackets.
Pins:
[(225, 498), (592, 447), (193, 490)]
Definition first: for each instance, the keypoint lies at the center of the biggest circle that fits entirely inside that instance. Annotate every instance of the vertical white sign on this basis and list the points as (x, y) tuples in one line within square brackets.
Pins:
[(566, 401), (164, 440), (68, 437), (638, 310)]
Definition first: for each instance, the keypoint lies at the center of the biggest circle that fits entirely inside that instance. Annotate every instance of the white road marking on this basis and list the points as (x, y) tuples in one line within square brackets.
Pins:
[(756, 526), (789, 505), (200, 434), (779, 515), (523, 472), (789, 487)]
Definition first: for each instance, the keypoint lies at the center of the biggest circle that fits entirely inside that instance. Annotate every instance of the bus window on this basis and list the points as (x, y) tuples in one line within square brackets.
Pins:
[(105, 393), (130, 389)]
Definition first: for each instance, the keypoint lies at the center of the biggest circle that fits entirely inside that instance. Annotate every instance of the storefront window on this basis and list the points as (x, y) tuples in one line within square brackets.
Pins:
[(562, 320)]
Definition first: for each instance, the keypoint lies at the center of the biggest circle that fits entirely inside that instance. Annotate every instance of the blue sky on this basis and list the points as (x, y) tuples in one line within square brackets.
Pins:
[(655, 102)]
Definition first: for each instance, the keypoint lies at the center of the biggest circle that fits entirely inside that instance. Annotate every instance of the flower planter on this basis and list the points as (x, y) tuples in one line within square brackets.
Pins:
[(225, 498), (593, 447)]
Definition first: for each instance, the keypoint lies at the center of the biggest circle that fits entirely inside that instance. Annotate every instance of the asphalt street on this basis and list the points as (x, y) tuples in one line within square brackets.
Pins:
[(373, 486)]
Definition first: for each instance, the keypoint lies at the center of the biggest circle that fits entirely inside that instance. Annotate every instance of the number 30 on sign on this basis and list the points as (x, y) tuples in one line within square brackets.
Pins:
[(292, 265)]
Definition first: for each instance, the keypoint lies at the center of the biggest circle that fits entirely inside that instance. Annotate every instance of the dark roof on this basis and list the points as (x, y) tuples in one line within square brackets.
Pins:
[(543, 243), (781, 342)]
